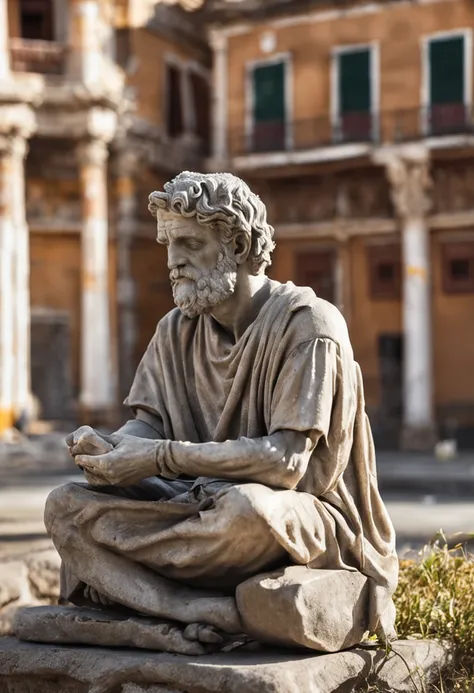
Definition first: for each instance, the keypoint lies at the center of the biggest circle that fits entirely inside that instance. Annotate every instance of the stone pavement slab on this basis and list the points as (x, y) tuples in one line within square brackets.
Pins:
[(34, 668)]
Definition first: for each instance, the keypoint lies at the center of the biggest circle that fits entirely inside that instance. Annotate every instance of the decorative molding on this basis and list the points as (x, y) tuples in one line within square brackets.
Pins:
[(339, 230), (407, 169), (92, 152)]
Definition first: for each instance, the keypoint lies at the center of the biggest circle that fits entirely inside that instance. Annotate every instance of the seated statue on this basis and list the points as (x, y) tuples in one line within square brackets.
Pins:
[(249, 456)]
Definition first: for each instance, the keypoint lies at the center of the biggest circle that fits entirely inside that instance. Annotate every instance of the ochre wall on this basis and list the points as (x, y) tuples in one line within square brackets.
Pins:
[(398, 28), (149, 53), (153, 291), (55, 283), (453, 337), (369, 318)]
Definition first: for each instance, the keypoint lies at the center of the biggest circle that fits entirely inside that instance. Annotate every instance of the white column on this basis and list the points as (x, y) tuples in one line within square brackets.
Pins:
[(410, 183), (85, 57), (219, 104), (4, 41), (127, 205), (96, 368), (417, 326), (21, 269), (7, 307)]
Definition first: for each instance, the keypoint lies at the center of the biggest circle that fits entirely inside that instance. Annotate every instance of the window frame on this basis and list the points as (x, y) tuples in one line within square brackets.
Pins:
[(376, 255), (287, 59), (425, 95), (456, 250), (335, 107)]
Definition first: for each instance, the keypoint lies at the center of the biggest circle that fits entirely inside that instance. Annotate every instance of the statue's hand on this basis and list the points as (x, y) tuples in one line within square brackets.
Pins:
[(87, 441), (129, 461)]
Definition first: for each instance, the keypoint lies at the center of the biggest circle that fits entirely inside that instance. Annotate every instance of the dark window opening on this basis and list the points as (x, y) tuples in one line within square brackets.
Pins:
[(384, 265), (201, 101), (315, 269), (386, 272), (174, 116), (36, 20), (458, 267), (269, 111), (355, 96), (447, 110)]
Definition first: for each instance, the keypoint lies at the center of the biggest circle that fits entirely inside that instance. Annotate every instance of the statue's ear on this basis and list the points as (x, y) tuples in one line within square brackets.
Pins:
[(241, 245)]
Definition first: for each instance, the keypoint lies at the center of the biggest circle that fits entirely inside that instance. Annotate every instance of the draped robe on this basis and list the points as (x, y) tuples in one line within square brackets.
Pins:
[(292, 369)]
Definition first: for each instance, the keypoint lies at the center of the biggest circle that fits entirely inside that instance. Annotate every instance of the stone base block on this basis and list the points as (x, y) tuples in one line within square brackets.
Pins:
[(324, 610), (418, 438), (34, 668)]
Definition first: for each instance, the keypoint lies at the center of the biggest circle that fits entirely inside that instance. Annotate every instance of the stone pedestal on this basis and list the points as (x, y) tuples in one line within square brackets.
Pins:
[(31, 668)]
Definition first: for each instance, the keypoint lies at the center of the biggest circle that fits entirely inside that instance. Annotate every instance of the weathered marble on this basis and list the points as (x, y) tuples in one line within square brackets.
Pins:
[(31, 668), (290, 607), (250, 450)]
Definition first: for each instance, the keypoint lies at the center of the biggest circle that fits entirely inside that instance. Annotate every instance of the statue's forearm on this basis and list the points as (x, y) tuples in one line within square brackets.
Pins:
[(145, 425), (278, 460)]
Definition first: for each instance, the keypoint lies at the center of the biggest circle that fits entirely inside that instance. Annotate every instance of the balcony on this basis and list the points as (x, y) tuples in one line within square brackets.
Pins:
[(353, 129), (43, 57)]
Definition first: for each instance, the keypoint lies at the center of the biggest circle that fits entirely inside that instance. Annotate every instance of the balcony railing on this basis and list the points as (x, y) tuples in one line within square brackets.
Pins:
[(45, 57), (352, 128)]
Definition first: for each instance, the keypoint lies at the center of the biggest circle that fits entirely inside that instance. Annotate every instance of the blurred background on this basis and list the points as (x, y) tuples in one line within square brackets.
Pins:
[(352, 121)]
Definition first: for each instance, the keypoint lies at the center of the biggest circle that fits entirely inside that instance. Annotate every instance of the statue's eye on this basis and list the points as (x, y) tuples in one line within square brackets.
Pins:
[(194, 244)]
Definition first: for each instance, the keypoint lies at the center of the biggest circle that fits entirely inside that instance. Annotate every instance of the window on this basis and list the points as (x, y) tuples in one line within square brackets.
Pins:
[(316, 269), (201, 104), (384, 263), (354, 95), (174, 115), (36, 19), (446, 78), (458, 267), (269, 110)]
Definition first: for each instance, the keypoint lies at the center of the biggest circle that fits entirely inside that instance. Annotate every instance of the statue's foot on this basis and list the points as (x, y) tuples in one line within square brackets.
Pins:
[(97, 597), (214, 639), (201, 632)]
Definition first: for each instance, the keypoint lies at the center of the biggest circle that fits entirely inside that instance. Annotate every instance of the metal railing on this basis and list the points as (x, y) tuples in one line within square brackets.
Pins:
[(44, 57), (352, 128)]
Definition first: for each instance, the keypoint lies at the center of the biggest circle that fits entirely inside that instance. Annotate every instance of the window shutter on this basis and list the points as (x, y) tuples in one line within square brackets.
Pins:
[(446, 58), (354, 82)]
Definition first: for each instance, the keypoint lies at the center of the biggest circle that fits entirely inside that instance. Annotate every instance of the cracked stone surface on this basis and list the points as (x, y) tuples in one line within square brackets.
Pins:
[(37, 668)]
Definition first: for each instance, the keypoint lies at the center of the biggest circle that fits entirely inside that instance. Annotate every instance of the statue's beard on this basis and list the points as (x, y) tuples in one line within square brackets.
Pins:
[(205, 289)]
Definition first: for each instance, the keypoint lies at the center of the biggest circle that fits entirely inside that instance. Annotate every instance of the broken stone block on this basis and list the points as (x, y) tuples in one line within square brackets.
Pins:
[(324, 610), (66, 625)]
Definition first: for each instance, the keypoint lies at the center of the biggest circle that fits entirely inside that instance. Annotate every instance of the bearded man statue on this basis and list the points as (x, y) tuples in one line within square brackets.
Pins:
[(248, 468)]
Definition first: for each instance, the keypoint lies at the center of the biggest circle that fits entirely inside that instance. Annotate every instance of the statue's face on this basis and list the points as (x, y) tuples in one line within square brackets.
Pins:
[(203, 269)]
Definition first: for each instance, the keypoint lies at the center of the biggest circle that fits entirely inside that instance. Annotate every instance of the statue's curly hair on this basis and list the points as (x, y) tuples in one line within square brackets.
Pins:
[(222, 201)]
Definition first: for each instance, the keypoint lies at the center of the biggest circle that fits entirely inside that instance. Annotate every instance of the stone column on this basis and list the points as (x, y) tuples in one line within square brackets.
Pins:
[(410, 182), (85, 57), (219, 104), (127, 205), (14, 283), (7, 307), (21, 269), (96, 397), (4, 41), (342, 276)]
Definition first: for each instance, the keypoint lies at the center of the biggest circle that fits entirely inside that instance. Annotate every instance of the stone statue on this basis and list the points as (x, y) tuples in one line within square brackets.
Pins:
[(242, 498)]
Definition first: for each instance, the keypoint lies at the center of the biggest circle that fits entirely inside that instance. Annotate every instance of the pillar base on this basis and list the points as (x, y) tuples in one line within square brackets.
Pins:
[(418, 438), (98, 417)]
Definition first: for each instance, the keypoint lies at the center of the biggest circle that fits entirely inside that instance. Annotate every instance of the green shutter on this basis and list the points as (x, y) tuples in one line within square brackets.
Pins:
[(354, 82), (446, 58), (269, 93)]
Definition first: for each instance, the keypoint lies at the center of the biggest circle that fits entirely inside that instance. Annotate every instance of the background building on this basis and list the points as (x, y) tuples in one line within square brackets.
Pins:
[(353, 121)]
